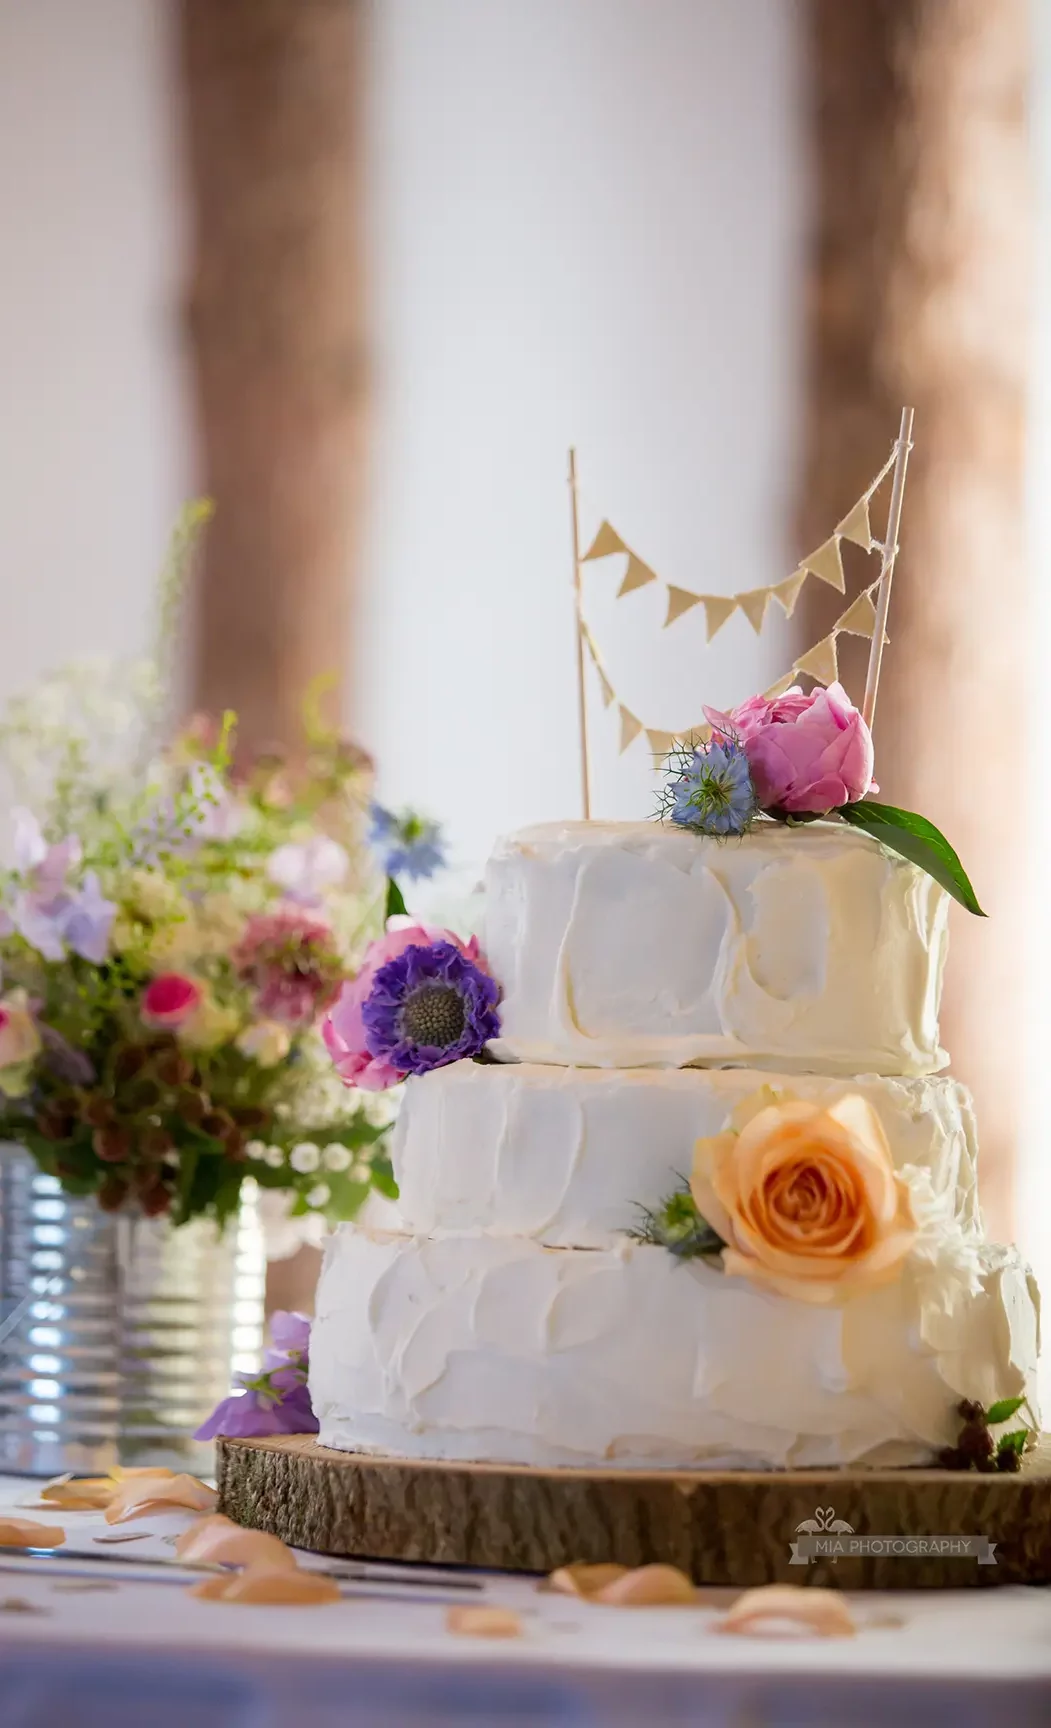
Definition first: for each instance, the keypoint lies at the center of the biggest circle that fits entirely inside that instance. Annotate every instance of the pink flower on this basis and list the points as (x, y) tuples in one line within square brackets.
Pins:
[(170, 1000), (806, 753), (290, 961), (344, 1028)]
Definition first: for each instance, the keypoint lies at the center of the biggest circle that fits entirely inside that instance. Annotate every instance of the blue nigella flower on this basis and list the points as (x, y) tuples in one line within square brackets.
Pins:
[(713, 791), (406, 844), (430, 1006)]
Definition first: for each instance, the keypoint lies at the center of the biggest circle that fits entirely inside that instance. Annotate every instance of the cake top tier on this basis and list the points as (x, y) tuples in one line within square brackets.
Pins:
[(634, 944)]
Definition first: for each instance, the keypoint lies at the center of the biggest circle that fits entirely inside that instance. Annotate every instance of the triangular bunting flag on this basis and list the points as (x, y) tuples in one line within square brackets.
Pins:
[(717, 609), (780, 687), (629, 727), (827, 564), (859, 619), (821, 663), (787, 592), (661, 743), (680, 600), (856, 526), (636, 576), (608, 691), (754, 604), (606, 542)]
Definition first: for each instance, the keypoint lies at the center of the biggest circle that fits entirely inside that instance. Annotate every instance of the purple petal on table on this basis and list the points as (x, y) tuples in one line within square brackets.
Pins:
[(296, 1413), (243, 1416)]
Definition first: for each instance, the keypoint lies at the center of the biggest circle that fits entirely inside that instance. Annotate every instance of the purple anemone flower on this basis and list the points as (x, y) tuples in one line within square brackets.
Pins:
[(428, 1007)]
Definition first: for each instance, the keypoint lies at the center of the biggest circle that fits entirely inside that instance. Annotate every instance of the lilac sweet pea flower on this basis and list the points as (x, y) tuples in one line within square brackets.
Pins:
[(289, 1334), (49, 914), (89, 920), (255, 1413), (277, 1401)]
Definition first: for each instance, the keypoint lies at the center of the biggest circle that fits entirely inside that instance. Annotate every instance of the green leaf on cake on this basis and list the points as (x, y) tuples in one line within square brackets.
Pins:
[(918, 840), (1014, 1442), (1003, 1410), (383, 1179), (396, 906)]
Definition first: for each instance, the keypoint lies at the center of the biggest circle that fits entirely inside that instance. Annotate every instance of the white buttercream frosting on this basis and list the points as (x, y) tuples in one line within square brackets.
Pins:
[(633, 944), (488, 1347), (568, 1155)]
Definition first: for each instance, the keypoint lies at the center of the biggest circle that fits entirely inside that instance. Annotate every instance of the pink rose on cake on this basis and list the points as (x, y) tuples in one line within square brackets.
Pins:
[(806, 754), (805, 1198), (421, 1000)]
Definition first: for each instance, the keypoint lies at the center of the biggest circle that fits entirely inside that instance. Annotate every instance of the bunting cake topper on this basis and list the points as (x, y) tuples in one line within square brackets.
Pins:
[(866, 615)]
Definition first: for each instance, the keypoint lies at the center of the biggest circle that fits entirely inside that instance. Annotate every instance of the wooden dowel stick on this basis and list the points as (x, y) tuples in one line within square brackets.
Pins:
[(585, 766), (890, 552)]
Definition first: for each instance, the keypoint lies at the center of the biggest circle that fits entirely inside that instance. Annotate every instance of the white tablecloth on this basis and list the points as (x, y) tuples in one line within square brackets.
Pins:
[(147, 1655)]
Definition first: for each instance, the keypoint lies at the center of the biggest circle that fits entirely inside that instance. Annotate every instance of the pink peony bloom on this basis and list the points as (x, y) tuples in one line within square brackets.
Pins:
[(344, 1028), (170, 1000), (290, 962), (806, 753)]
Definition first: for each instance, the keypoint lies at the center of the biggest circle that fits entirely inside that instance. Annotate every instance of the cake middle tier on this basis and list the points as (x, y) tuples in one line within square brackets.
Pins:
[(571, 1156)]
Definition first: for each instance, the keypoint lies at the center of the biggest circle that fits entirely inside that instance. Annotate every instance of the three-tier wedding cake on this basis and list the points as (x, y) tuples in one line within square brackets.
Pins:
[(706, 1200)]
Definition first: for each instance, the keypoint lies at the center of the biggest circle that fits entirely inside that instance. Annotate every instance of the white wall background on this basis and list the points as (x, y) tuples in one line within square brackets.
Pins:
[(93, 443), (588, 229)]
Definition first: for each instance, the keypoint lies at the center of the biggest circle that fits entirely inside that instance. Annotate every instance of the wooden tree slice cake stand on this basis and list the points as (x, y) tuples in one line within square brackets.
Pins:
[(722, 1527)]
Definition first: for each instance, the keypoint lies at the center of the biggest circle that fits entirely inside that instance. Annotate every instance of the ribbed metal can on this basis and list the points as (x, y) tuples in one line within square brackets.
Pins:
[(126, 1330)]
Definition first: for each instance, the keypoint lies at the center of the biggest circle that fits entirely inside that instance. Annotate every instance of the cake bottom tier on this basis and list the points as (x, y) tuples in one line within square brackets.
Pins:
[(500, 1349)]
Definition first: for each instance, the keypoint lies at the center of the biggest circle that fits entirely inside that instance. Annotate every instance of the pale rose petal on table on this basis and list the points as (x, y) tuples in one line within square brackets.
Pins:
[(270, 1586), (483, 1622), (580, 1579), (24, 1533), (122, 1473), (774, 1609), (140, 1496), (223, 1543), (649, 1587), (79, 1494), (622, 1587)]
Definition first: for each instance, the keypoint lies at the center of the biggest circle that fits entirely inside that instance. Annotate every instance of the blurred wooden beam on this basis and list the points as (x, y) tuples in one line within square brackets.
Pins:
[(272, 93), (919, 293), (272, 104)]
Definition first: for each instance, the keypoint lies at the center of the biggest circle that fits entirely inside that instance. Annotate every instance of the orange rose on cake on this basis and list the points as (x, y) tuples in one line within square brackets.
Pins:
[(806, 1197)]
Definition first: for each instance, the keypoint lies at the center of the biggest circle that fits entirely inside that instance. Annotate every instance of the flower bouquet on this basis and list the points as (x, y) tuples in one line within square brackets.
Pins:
[(169, 946)]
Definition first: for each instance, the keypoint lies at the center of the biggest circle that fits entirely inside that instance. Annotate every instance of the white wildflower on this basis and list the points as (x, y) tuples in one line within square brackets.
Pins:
[(336, 1157), (319, 1195), (305, 1157)]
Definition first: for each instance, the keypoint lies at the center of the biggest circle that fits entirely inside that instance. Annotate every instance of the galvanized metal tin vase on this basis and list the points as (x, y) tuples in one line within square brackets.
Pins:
[(126, 1330)]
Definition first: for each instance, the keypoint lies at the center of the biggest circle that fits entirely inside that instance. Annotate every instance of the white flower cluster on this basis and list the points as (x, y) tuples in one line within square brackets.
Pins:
[(305, 1158), (80, 735)]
